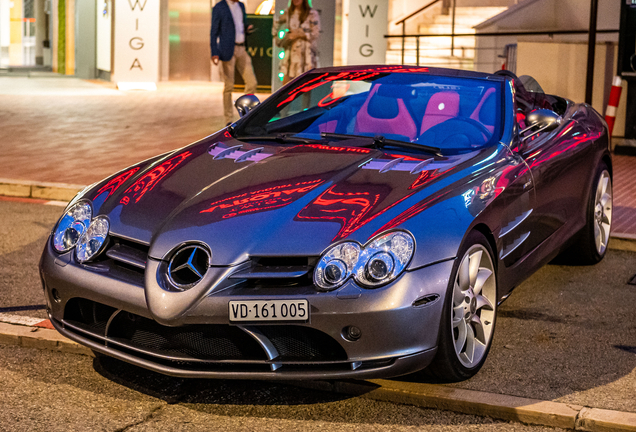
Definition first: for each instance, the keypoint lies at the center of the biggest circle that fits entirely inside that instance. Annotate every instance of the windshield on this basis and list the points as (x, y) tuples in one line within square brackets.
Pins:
[(454, 114)]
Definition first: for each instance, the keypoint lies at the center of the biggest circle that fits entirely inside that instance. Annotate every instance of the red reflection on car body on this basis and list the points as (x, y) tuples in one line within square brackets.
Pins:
[(114, 183), (410, 213), (315, 83), (347, 208), (148, 181), (260, 200), (335, 149)]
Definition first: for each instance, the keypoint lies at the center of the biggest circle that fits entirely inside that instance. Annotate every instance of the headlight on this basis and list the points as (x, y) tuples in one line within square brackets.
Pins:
[(336, 265), (71, 226), (91, 242), (384, 258), (377, 263)]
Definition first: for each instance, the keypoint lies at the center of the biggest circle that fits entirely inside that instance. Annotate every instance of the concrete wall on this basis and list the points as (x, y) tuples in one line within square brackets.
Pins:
[(562, 71), (85, 40)]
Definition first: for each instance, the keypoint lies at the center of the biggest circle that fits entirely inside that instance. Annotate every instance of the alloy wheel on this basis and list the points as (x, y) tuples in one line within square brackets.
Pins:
[(474, 303), (603, 212)]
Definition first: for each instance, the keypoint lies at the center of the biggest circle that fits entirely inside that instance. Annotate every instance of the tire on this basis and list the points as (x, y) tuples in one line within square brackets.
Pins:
[(470, 310), (591, 244)]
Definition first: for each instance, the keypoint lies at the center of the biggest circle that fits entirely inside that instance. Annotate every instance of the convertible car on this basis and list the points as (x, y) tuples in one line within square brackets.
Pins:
[(361, 222)]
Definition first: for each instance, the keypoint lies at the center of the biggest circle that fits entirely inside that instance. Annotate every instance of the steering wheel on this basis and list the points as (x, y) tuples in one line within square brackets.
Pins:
[(473, 131)]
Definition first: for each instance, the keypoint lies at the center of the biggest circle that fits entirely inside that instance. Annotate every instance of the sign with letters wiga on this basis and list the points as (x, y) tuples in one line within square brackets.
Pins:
[(367, 25), (136, 41)]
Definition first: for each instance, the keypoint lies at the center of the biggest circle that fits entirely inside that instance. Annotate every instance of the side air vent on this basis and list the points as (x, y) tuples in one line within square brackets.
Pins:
[(277, 269), (128, 254)]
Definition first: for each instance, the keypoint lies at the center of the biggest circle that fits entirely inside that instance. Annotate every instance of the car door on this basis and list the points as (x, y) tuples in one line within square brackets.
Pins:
[(555, 159)]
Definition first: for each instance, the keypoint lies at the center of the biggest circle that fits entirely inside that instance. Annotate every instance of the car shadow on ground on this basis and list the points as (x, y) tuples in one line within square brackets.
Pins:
[(208, 391)]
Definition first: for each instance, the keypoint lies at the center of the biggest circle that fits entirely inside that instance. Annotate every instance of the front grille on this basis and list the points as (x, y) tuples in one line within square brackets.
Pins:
[(202, 346), (297, 343), (206, 342), (87, 315)]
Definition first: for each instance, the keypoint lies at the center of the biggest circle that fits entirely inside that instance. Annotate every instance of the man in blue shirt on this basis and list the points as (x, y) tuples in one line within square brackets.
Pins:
[(227, 43)]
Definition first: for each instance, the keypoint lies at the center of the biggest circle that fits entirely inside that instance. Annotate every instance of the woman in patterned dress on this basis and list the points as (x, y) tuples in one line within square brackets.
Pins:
[(301, 39)]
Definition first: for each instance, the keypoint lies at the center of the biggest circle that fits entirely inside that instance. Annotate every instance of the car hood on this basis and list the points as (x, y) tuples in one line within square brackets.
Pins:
[(246, 199)]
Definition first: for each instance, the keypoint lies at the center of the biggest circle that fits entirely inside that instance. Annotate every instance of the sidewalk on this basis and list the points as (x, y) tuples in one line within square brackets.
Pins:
[(67, 130)]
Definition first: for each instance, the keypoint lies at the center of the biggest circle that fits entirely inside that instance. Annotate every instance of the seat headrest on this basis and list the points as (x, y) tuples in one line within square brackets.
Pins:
[(444, 103), (382, 107)]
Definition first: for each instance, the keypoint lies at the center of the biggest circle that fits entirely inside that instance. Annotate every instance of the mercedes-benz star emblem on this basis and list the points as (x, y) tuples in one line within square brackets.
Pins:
[(188, 266)]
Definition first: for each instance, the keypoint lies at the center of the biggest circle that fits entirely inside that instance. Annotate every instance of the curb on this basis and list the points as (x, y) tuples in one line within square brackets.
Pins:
[(39, 190), (39, 337), (496, 406)]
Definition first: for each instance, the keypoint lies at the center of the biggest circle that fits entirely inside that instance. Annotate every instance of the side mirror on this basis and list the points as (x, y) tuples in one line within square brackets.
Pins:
[(246, 103), (540, 120)]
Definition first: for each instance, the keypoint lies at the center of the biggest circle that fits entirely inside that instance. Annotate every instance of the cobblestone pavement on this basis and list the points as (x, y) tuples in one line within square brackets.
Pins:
[(73, 131)]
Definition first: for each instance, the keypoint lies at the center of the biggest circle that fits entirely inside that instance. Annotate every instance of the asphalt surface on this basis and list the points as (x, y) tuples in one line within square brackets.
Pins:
[(566, 334), (43, 390)]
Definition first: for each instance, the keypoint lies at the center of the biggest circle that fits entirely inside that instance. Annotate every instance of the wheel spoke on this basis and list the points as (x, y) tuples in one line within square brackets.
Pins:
[(605, 219), (604, 199), (605, 229), (461, 336), (464, 275), (480, 349), (475, 260), (458, 315), (458, 296), (482, 277), (604, 183), (484, 302), (478, 328), (470, 344)]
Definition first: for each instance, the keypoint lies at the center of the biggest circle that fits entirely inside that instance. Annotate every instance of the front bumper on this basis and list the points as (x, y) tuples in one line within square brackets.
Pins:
[(113, 318)]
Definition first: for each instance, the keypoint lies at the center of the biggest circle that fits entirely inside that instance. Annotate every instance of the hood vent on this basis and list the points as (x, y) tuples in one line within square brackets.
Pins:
[(222, 151)]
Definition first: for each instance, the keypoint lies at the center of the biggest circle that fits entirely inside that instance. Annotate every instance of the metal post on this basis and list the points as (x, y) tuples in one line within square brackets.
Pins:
[(453, 29), (417, 49), (591, 51), (403, 36)]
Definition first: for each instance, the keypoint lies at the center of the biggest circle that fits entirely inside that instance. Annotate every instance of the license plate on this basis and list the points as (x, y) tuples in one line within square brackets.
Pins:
[(269, 310)]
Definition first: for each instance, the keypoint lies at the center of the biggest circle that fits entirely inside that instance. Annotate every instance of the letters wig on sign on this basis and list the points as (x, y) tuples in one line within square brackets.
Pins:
[(367, 25), (136, 57)]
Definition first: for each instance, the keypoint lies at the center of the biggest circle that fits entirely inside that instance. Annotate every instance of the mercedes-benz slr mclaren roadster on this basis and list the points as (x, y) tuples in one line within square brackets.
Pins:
[(361, 222)]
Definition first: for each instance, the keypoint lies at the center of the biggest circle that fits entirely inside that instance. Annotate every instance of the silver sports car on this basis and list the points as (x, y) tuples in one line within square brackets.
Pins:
[(361, 222)]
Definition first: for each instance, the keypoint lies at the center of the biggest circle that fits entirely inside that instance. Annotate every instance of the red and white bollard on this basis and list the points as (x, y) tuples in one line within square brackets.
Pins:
[(612, 104)]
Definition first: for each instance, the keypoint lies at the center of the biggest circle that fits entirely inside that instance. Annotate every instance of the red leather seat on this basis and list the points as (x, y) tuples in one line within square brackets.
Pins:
[(441, 106), (385, 115)]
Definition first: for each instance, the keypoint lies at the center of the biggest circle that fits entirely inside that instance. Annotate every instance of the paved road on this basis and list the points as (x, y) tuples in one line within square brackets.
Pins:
[(566, 334), (50, 391)]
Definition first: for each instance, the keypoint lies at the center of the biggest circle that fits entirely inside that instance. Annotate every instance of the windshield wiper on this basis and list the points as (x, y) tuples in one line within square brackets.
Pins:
[(379, 142), (282, 138)]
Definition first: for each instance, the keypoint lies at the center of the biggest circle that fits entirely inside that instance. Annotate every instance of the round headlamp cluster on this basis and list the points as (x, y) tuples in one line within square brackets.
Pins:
[(379, 262), (77, 228)]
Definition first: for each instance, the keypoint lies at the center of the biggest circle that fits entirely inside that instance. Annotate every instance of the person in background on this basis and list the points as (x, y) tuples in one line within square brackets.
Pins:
[(228, 44), (302, 25)]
